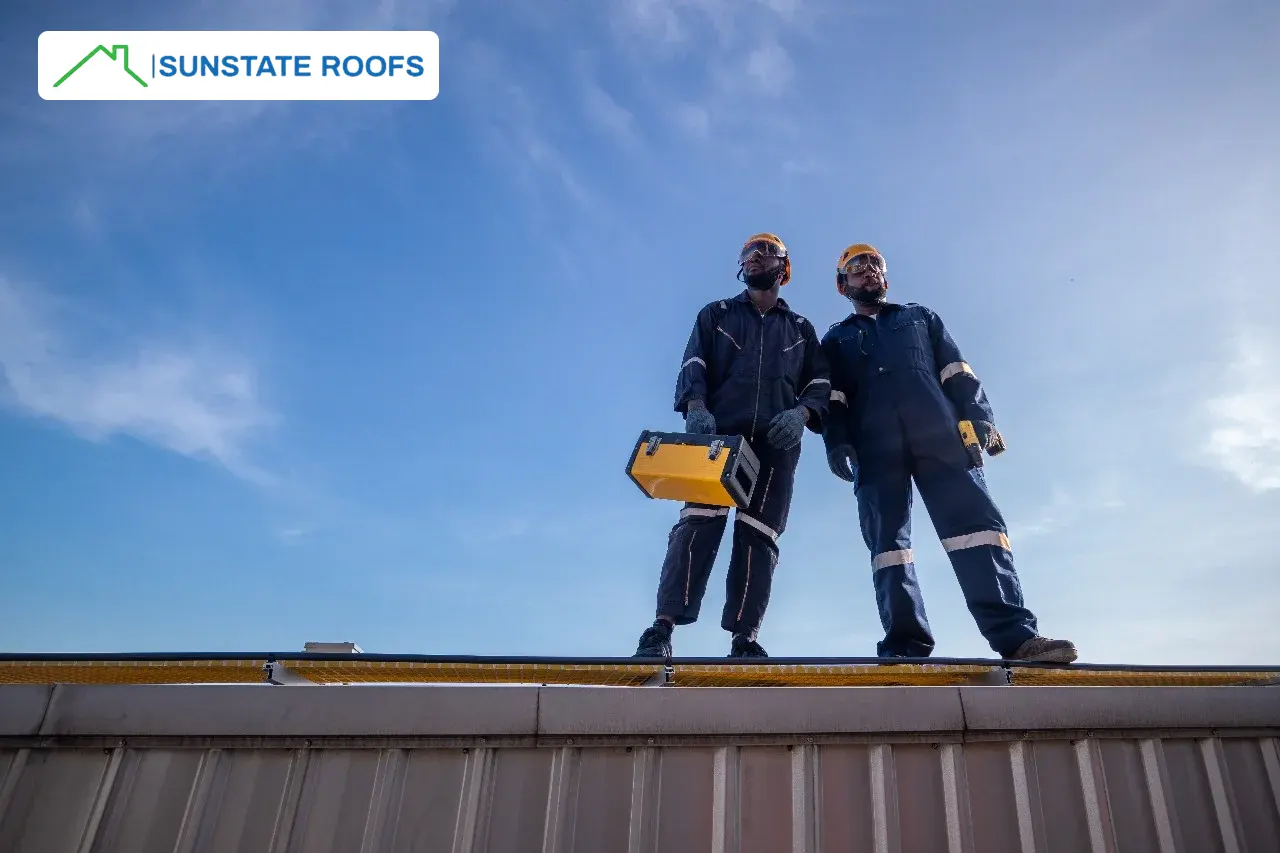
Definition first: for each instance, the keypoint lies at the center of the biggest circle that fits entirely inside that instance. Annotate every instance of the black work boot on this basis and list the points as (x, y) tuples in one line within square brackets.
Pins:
[(745, 647), (1045, 650), (655, 642)]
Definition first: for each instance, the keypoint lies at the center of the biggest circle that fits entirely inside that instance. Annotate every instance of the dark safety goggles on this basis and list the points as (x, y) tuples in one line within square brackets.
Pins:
[(865, 261), (767, 248)]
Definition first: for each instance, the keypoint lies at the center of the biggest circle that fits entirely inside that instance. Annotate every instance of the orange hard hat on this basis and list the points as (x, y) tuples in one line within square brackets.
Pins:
[(782, 252)]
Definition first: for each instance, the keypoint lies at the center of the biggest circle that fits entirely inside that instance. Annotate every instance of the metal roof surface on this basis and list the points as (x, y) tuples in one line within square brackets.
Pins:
[(190, 769)]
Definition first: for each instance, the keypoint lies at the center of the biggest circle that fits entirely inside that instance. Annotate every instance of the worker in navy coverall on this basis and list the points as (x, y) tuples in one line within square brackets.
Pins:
[(900, 387), (752, 367)]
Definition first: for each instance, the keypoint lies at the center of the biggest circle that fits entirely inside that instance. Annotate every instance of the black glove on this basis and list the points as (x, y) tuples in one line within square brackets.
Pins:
[(699, 421), (842, 461), (989, 437), (787, 428)]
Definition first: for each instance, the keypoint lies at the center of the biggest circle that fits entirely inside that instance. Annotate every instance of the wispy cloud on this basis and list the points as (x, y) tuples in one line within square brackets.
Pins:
[(192, 398), (1244, 434), (506, 111), (770, 68), (606, 113), (1068, 507), (731, 60)]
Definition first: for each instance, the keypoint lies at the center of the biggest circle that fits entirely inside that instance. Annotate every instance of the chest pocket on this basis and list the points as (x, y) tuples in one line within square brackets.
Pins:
[(784, 348), (793, 355), (854, 348), (910, 346)]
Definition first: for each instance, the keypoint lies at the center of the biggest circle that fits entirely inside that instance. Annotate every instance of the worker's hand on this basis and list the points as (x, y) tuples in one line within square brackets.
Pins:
[(989, 437), (787, 428), (699, 421), (842, 461)]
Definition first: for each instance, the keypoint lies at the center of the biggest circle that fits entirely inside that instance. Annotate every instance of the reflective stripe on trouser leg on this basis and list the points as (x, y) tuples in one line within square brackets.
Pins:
[(756, 531), (692, 546), (884, 515), (973, 533)]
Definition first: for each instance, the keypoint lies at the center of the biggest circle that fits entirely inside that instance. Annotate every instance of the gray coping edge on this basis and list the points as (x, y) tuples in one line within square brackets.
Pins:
[(22, 708), (1047, 708), (269, 711), (517, 710), (746, 710)]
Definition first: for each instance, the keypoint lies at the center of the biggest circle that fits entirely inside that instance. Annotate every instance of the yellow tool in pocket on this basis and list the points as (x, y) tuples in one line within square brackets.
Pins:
[(719, 470), (969, 436)]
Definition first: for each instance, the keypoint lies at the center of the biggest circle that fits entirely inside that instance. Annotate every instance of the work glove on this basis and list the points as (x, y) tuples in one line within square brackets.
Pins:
[(989, 437), (787, 428), (699, 421), (842, 461)]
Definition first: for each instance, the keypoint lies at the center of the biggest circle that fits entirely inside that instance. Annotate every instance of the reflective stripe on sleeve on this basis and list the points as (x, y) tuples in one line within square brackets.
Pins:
[(955, 368), (973, 540), (839, 397), (694, 360)]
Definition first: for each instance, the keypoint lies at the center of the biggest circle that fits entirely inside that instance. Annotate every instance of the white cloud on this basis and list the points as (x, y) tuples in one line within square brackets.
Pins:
[(695, 119), (1068, 507), (605, 112), (723, 56), (771, 67), (1244, 432), (191, 398)]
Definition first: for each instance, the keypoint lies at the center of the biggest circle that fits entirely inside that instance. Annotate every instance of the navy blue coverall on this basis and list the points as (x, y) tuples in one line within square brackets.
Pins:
[(747, 367), (899, 389)]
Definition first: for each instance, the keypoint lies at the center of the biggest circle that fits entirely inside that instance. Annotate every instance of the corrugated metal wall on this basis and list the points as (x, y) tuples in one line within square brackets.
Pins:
[(591, 770)]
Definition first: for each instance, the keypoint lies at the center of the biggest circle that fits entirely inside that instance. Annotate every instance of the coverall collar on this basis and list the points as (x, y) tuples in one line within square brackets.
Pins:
[(886, 308), (780, 304)]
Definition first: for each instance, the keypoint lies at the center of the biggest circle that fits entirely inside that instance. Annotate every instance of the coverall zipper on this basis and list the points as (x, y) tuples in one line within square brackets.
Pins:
[(759, 375)]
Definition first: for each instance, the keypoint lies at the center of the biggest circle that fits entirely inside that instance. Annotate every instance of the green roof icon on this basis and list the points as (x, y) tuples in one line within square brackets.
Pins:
[(122, 50)]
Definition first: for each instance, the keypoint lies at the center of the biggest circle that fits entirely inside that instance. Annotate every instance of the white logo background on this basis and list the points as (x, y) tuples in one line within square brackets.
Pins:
[(363, 65)]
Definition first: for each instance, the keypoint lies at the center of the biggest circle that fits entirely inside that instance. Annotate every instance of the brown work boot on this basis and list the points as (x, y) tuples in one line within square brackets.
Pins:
[(1045, 650)]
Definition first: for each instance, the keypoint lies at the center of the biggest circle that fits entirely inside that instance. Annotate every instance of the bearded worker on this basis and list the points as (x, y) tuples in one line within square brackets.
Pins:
[(900, 389), (752, 367)]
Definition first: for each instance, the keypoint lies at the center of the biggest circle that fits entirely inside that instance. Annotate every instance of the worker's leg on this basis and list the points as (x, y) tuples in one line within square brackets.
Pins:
[(692, 546), (883, 488), (756, 531), (974, 535)]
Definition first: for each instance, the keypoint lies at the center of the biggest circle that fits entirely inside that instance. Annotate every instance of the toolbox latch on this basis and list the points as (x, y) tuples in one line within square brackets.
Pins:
[(652, 447), (714, 450)]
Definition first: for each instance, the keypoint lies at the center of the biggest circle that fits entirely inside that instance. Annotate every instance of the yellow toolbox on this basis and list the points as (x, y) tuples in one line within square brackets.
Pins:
[(719, 470)]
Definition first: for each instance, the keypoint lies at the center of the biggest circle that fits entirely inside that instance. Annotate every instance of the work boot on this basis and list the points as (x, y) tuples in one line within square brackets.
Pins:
[(655, 642), (1045, 650), (745, 647)]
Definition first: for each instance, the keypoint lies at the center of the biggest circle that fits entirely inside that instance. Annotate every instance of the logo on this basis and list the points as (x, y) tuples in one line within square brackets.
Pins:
[(121, 49), (234, 65)]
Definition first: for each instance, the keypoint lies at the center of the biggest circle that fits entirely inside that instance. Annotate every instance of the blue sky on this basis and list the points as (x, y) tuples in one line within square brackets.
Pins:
[(278, 372)]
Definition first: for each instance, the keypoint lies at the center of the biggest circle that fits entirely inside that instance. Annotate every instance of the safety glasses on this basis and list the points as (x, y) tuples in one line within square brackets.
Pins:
[(767, 248), (865, 261)]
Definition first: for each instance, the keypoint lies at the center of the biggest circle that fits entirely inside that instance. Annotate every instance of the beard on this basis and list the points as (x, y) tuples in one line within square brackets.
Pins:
[(763, 280), (869, 296)]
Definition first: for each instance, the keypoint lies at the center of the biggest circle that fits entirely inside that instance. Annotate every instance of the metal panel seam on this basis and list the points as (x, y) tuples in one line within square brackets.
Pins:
[(1271, 761), (102, 796), (48, 704), (1221, 794), (1168, 831)]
